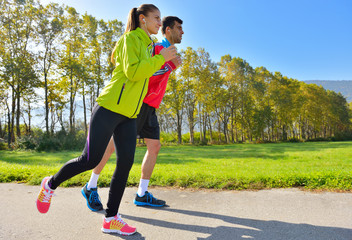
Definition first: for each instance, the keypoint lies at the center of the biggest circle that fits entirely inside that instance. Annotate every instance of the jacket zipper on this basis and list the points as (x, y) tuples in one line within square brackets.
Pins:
[(123, 87), (140, 97)]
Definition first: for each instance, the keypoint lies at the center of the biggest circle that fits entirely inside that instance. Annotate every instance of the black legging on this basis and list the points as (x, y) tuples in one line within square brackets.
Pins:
[(103, 124)]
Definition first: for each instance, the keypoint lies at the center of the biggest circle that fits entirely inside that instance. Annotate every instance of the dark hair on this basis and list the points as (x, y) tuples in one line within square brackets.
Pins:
[(169, 21), (133, 20)]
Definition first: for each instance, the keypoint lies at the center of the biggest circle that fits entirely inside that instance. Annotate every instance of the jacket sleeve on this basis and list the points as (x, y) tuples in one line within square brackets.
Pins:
[(169, 64), (135, 67)]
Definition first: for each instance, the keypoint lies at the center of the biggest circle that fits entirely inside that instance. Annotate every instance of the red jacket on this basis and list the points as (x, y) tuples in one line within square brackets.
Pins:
[(158, 82)]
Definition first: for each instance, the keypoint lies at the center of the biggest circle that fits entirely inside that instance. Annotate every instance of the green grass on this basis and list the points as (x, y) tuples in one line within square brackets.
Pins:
[(313, 165)]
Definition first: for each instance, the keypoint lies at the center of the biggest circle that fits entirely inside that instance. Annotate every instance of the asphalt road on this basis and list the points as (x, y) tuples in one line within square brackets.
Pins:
[(280, 214)]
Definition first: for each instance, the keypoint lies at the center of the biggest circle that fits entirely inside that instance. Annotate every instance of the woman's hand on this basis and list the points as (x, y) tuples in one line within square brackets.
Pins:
[(169, 53)]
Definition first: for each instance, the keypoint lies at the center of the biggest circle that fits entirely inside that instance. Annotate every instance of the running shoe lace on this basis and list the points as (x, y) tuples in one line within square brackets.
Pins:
[(47, 196), (118, 218), (150, 197), (94, 197)]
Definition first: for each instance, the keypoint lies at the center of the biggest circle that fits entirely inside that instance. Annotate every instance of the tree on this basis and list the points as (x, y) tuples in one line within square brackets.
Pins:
[(188, 74), (69, 59), (204, 89), (48, 31), (174, 102), (17, 20)]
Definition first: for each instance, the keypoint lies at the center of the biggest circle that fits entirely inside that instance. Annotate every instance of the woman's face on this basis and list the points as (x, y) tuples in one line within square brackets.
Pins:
[(152, 22)]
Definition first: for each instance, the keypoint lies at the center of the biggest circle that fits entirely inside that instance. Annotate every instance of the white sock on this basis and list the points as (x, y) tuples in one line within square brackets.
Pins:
[(109, 219), (93, 181), (143, 187)]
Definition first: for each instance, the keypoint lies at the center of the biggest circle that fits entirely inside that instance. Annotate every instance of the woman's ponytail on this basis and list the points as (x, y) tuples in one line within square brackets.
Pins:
[(133, 20)]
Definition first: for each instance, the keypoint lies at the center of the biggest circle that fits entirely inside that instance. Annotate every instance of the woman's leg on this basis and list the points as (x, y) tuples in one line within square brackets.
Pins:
[(101, 127), (125, 136)]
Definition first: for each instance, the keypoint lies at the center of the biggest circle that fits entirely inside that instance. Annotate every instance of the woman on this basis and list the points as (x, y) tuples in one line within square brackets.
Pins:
[(115, 114)]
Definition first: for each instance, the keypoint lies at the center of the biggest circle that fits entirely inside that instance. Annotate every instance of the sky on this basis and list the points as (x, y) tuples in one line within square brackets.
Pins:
[(302, 39)]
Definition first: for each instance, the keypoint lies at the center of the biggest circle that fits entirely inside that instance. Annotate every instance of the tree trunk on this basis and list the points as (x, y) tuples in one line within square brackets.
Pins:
[(13, 117), (179, 127), (29, 118), (9, 133), (1, 131), (210, 131), (18, 113), (46, 103), (71, 102), (191, 125), (219, 129), (200, 123), (85, 114), (232, 121), (205, 127)]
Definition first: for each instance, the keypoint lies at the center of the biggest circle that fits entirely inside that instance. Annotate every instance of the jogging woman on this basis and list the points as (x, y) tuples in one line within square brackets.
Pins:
[(115, 114)]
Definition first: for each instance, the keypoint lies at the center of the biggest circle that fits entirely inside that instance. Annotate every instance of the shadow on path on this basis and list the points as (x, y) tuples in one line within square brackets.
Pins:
[(249, 228)]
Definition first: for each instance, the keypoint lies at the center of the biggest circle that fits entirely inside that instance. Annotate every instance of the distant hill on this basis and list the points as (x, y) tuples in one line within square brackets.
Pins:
[(344, 86)]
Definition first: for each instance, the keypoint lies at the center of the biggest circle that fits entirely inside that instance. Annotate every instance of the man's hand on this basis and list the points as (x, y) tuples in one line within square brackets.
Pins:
[(169, 53), (177, 61)]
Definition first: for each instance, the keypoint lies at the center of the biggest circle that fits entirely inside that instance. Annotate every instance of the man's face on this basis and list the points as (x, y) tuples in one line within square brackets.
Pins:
[(176, 32)]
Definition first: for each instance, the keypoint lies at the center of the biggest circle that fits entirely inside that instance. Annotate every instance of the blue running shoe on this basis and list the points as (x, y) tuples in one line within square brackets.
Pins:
[(148, 200), (93, 199)]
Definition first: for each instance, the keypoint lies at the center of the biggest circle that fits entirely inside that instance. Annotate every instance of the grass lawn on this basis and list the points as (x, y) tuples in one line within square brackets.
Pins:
[(313, 165)]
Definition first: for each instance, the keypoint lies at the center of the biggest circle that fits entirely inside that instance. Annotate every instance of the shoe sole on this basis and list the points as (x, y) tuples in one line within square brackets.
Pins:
[(146, 204), (92, 209), (117, 231)]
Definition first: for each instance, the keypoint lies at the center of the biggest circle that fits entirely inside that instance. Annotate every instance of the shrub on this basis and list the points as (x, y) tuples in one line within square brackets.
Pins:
[(27, 143), (294, 140), (3, 145), (166, 138), (48, 143)]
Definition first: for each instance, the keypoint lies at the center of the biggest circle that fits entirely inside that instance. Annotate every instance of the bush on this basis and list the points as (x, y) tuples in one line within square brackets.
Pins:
[(73, 141), (166, 138), (3, 145), (342, 136), (294, 140), (27, 143), (48, 143), (319, 139), (62, 141)]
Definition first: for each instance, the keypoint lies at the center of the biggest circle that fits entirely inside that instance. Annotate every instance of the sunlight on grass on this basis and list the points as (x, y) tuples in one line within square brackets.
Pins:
[(326, 165)]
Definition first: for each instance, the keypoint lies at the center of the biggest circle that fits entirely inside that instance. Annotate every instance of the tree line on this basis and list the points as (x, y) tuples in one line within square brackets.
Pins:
[(51, 56)]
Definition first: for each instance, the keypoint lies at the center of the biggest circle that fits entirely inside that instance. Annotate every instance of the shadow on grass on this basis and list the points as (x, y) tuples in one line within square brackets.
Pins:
[(247, 228)]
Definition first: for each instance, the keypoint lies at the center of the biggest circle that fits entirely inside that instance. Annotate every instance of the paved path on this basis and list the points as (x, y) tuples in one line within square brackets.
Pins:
[(281, 214)]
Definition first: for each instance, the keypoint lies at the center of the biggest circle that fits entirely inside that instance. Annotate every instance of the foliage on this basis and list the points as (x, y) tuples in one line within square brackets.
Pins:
[(64, 55)]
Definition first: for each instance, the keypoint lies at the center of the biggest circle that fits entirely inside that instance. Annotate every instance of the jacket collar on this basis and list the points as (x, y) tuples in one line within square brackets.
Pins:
[(143, 36), (165, 43)]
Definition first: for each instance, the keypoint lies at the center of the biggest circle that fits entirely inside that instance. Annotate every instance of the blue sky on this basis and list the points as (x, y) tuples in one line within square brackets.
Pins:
[(302, 39)]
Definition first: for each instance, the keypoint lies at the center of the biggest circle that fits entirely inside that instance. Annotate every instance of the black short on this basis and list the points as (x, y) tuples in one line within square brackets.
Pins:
[(147, 123)]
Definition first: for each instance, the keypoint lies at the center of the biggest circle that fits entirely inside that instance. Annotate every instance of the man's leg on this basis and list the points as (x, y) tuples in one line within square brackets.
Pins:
[(93, 182), (149, 161), (144, 198), (90, 190)]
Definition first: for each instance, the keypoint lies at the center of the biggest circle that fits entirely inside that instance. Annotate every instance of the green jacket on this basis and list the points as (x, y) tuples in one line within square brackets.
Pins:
[(128, 86)]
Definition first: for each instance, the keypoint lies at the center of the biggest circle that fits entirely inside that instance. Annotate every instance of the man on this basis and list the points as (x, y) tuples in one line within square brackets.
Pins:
[(147, 124)]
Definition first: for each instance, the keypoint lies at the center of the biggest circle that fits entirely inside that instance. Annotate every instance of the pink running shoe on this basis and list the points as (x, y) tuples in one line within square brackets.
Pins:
[(44, 197), (117, 225)]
